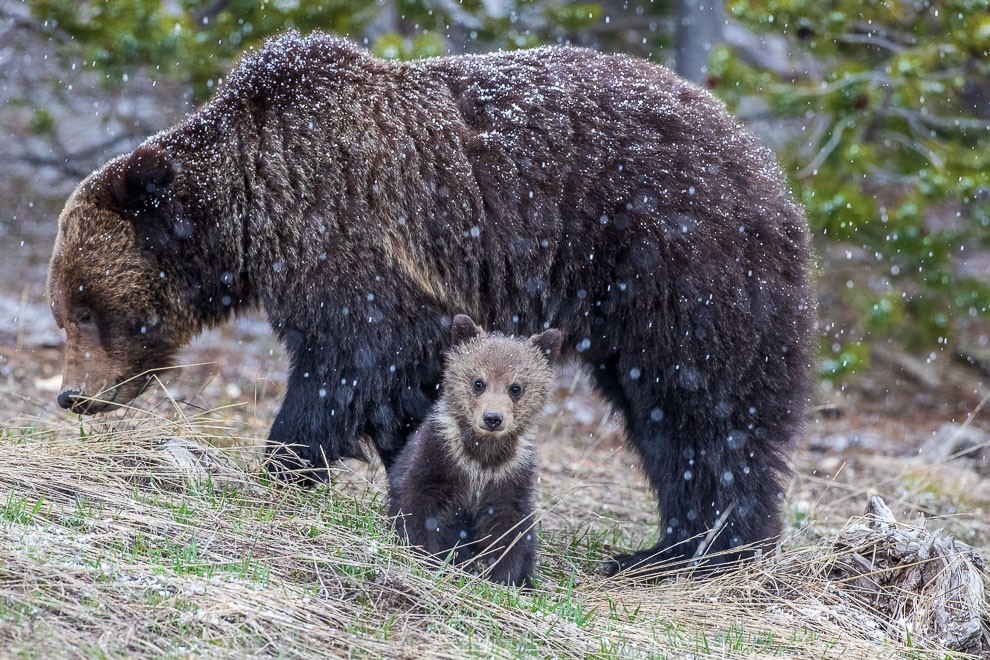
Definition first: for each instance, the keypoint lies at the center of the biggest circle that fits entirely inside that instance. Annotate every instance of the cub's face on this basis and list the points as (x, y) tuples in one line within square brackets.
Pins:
[(500, 394), (497, 386), (111, 299)]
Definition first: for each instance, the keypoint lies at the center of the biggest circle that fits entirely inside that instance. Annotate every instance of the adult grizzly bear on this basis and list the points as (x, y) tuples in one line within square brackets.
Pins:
[(363, 203)]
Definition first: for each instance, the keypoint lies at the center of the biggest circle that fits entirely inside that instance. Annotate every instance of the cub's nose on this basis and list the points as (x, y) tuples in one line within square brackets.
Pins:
[(492, 421), (68, 397)]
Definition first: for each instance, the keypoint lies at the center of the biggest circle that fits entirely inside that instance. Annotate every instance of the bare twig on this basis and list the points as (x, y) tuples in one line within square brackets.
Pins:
[(871, 39), (827, 148)]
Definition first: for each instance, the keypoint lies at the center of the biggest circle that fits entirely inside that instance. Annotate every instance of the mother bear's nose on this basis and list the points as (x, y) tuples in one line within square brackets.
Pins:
[(68, 397)]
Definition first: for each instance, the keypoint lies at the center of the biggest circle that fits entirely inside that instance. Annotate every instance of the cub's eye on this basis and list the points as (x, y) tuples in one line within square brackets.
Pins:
[(479, 386), (515, 390), (84, 317)]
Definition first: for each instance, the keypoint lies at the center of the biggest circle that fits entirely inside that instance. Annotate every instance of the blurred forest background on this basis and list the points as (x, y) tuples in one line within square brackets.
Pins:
[(879, 111)]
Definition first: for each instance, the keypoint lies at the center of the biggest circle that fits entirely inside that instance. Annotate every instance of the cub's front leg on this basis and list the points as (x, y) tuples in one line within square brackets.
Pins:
[(506, 533), (423, 498)]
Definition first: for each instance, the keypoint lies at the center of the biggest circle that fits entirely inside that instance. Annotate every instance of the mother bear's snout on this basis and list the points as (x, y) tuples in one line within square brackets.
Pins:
[(70, 397)]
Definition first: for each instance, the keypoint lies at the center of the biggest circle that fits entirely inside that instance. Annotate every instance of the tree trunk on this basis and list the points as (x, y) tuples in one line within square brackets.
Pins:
[(699, 29)]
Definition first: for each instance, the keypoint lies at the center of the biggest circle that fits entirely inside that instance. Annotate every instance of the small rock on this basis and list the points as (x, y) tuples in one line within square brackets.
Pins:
[(840, 442), (197, 462), (51, 384)]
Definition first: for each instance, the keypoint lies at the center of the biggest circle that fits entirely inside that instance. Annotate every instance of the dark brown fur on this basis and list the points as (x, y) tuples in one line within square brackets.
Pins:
[(463, 484), (362, 203)]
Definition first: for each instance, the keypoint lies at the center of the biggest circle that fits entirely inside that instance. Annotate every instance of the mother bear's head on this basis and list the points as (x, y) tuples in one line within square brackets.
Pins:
[(119, 279)]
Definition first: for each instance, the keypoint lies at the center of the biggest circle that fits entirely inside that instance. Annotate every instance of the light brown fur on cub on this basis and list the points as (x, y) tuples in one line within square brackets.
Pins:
[(464, 482)]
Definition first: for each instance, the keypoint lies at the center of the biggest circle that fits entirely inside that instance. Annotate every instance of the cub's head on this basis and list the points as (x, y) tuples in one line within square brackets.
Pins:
[(496, 386), (120, 308)]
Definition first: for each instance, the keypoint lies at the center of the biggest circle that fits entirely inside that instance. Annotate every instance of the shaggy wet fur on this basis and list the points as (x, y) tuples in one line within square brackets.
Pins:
[(362, 203), (464, 482)]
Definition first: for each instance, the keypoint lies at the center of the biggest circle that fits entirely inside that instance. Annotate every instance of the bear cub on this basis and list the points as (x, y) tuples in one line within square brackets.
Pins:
[(464, 481)]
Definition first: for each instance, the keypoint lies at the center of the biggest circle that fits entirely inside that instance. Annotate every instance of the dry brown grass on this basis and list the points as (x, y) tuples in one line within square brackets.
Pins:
[(114, 544)]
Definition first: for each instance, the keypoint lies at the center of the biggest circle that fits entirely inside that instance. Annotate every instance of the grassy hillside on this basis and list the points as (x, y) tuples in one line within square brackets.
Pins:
[(138, 538)]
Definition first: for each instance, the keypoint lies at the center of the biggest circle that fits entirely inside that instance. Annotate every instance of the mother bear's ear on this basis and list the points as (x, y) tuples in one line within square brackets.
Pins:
[(463, 328), (141, 181), (548, 343)]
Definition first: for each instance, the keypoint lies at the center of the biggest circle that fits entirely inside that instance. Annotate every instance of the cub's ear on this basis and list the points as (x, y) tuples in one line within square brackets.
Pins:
[(463, 328), (548, 342), (141, 181)]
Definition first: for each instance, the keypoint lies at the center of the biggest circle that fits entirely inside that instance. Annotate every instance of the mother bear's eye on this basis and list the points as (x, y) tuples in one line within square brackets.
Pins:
[(84, 317), (479, 386)]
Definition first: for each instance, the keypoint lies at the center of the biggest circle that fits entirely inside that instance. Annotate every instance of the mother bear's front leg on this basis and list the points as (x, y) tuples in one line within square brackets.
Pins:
[(373, 378)]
